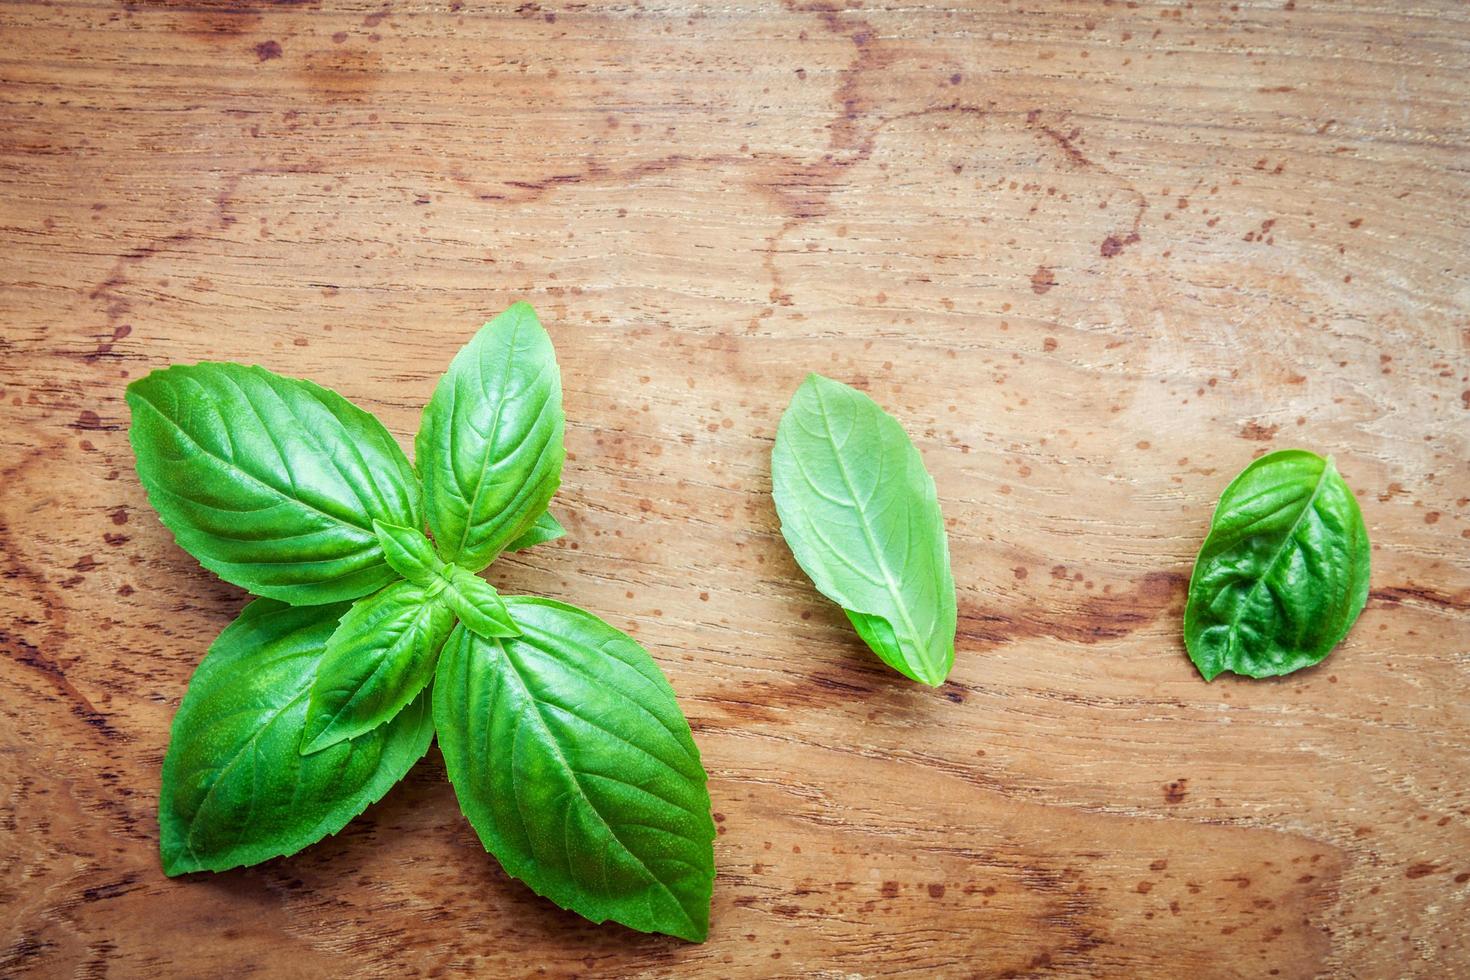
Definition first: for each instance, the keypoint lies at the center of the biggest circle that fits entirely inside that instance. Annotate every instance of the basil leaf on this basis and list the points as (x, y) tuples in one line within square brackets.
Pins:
[(862, 518), (489, 447), (478, 605), (546, 528), (409, 553), (1282, 574), (571, 758), (272, 483), (378, 660), (235, 789)]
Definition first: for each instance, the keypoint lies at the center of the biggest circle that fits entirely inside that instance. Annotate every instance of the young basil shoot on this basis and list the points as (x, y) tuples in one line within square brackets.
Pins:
[(861, 516), (369, 639), (1282, 574)]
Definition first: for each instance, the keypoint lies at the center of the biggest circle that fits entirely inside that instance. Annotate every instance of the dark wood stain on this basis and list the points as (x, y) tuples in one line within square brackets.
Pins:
[(1084, 618)]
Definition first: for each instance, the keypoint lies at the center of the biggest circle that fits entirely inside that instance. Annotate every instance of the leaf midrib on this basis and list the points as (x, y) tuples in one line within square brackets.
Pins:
[(398, 651), (577, 782), (1328, 467), (878, 555), (469, 520), (249, 743), (236, 467)]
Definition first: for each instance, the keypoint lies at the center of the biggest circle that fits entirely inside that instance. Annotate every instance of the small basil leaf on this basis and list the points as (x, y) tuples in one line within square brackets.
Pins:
[(546, 528), (235, 789), (1282, 574), (489, 447), (272, 483), (378, 660), (862, 518), (408, 553), (478, 605), (570, 757)]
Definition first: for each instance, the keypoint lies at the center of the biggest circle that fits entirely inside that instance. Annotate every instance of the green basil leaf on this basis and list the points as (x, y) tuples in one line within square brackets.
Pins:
[(489, 447), (478, 605), (378, 660), (571, 758), (236, 790), (272, 483), (409, 553), (862, 518), (1282, 574), (546, 528)]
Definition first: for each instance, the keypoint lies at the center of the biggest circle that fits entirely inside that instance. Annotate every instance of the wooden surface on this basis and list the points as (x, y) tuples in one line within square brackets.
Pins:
[(1096, 256)]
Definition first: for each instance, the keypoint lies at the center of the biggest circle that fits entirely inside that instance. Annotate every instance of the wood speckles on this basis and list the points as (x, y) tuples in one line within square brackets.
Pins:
[(1113, 245), (341, 74), (1066, 142), (1258, 432), (1088, 286), (1085, 618)]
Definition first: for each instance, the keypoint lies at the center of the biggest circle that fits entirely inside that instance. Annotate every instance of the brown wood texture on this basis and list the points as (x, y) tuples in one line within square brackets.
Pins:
[(1096, 256)]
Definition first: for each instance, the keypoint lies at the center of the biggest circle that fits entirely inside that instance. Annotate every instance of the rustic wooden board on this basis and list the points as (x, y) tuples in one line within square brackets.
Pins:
[(1095, 255)]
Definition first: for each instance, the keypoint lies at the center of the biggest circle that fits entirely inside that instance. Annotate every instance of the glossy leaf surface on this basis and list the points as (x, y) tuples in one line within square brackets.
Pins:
[(378, 660), (236, 789), (1282, 574), (478, 605), (409, 553), (546, 528), (571, 758), (272, 483), (489, 448), (862, 517)]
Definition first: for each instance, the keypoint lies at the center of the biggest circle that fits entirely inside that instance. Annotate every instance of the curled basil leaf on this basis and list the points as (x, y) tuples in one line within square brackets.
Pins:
[(489, 448), (572, 761), (236, 790), (378, 660), (272, 483), (1282, 574), (862, 518)]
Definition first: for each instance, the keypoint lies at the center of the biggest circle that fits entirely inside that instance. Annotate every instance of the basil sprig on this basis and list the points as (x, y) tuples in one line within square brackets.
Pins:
[(1282, 574), (861, 515), (310, 706)]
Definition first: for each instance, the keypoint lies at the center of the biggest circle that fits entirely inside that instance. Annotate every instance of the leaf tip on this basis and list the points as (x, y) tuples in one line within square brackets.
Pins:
[(698, 934), (692, 927), (322, 740)]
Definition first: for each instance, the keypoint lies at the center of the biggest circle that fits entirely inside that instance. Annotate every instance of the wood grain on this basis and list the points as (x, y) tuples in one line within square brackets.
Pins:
[(1095, 255)]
